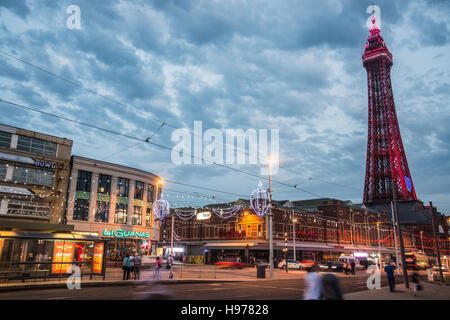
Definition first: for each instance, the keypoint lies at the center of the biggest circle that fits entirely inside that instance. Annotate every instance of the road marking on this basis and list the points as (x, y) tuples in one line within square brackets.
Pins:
[(57, 298)]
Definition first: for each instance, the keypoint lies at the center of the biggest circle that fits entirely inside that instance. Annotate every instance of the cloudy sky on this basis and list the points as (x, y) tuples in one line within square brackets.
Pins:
[(288, 65)]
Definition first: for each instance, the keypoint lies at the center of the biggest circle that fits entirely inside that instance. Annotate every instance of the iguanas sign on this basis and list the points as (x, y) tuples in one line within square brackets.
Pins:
[(119, 233)]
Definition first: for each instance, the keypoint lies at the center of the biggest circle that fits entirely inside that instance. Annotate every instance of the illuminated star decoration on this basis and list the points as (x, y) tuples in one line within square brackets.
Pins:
[(259, 200)]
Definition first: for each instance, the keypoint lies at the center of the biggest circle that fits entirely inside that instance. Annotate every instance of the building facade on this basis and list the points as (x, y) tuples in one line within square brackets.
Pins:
[(320, 229), (115, 202), (34, 176)]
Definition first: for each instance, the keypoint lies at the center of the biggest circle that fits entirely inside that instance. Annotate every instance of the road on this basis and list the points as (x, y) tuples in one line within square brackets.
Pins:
[(264, 289)]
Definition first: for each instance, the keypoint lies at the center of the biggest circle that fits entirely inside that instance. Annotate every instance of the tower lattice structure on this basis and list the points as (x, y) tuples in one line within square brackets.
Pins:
[(386, 158)]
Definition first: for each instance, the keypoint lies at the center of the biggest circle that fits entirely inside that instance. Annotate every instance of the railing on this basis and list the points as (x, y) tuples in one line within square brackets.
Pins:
[(43, 270)]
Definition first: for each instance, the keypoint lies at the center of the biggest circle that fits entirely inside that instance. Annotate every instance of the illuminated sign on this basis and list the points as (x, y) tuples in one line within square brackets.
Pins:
[(97, 263), (44, 164), (62, 253), (205, 215), (119, 233)]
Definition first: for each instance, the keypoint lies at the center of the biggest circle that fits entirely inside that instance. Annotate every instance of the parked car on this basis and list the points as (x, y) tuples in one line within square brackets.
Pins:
[(292, 264), (259, 262)]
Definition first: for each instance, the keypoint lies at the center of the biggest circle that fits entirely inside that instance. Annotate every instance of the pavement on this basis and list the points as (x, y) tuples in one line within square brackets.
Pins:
[(431, 291)]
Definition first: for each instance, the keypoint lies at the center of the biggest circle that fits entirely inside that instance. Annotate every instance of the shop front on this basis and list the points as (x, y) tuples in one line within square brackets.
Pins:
[(47, 254), (121, 242)]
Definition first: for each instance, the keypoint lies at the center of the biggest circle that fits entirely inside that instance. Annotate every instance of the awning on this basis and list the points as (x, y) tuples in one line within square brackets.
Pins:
[(48, 235), (15, 190), (228, 245)]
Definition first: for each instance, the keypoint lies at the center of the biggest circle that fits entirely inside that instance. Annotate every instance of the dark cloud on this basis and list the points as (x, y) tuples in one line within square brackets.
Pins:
[(291, 65)]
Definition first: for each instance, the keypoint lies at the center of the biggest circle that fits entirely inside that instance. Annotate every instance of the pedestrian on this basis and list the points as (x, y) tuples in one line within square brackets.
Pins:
[(416, 284), (312, 284), (137, 267), (170, 264), (330, 288), (126, 267), (352, 265), (389, 269), (157, 268)]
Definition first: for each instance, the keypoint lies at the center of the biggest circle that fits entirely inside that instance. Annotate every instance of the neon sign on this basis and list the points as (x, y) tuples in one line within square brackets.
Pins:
[(119, 233)]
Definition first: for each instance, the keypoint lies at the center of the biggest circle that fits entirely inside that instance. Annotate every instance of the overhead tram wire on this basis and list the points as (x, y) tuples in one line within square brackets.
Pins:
[(134, 145), (141, 112), (155, 144), (319, 180), (96, 93), (119, 134)]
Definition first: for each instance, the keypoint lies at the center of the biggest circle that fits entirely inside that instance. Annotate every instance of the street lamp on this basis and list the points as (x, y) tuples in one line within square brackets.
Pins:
[(421, 240), (270, 219), (158, 182), (293, 236), (379, 245)]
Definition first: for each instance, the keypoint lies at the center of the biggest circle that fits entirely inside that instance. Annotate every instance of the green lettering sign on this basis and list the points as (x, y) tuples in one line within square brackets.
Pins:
[(119, 233)]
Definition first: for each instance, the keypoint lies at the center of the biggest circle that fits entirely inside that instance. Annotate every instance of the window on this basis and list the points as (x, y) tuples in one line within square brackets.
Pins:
[(104, 184), (81, 210), (121, 213), (137, 215), (36, 146), (33, 176), (84, 181), (3, 168), (122, 187), (149, 217), (5, 139), (102, 213), (150, 191), (139, 190), (28, 208)]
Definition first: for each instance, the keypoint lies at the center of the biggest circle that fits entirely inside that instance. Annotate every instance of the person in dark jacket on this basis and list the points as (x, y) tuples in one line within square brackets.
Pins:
[(352, 264), (330, 288), (389, 269)]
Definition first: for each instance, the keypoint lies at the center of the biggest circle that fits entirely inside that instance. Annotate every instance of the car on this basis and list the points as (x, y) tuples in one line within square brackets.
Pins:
[(444, 268), (335, 266), (231, 263), (292, 264), (305, 264), (259, 262)]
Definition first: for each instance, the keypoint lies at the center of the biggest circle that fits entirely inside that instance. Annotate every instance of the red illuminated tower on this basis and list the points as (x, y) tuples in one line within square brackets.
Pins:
[(386, 158)]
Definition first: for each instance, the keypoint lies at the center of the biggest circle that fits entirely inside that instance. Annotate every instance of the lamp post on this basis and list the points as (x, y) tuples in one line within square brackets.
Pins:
[(159, 181), (379, 245), (421, 240), (270, 221), (293, 237)]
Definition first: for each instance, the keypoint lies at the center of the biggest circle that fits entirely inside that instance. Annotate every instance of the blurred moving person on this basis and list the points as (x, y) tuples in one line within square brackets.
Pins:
[(170, 261), (312, 283), (389, 269), (352, 266), (416, 284), (330, 287), (137, 267)]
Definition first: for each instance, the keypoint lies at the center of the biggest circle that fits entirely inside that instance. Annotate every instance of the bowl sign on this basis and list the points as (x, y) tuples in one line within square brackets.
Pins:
[(44, 164), (205, 215)]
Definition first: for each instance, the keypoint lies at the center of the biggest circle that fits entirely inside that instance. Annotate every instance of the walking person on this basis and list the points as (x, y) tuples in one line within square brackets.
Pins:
[(157, 275), (312, 284), (352, 265), (126, 267), (170, 264), (137, 267), (416, 283), (389, 269), (330, 288)]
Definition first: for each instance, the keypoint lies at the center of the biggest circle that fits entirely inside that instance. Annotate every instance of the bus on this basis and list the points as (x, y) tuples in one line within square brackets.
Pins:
[(416, 260)]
